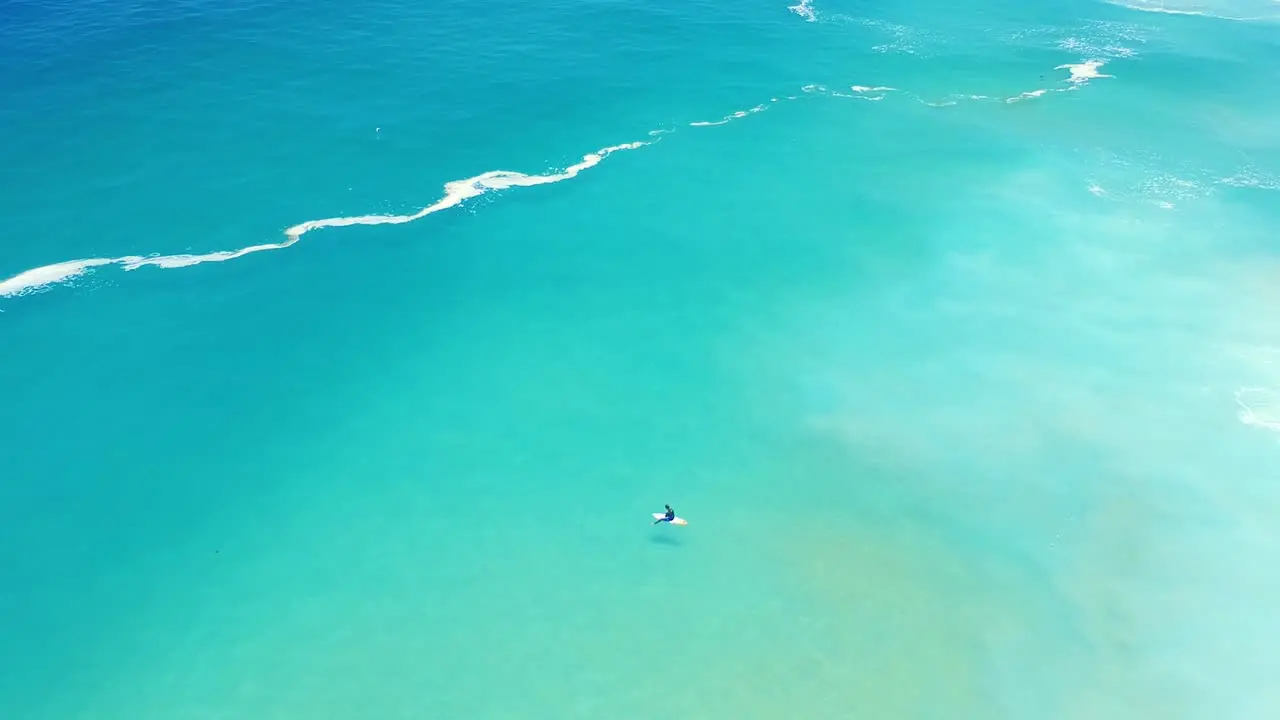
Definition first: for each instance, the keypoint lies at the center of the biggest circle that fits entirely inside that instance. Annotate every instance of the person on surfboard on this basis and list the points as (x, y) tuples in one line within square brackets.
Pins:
[(667, 517)]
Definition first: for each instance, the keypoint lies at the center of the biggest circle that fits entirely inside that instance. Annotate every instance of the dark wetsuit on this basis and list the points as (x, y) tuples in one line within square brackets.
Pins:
[(668, 516)]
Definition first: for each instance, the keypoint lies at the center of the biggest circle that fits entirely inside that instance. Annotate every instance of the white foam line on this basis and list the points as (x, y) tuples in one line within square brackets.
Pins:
[(955, 100), (733, 116), (455, 194), (1080, 74), (60, 273), (1163, 10), (871, 94), (1026, 96), (459, 191), (25, 282)]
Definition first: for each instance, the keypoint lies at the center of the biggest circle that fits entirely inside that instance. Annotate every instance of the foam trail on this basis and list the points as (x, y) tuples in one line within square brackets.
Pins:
[(459, 191), (1026, 96), (1080, 74), (456, 193), (955, 100), (733, 116), (872, 94), (36, 278), (134, 262), (1161, 6)]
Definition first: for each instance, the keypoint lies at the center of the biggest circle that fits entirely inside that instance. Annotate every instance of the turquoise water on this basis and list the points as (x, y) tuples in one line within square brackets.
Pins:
[(949, 329)]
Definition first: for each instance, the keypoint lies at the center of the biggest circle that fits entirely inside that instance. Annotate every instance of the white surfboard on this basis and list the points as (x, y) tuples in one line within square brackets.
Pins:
[(675, 521)]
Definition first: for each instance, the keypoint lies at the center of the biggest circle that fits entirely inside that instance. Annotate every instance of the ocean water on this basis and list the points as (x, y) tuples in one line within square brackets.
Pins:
[(347, 349)]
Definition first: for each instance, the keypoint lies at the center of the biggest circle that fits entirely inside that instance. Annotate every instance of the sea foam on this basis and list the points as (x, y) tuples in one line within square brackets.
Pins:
[(455, 193), (1259, 407), (36, 278), (1267, 9), (459, 191), (734, 115), (805, 10), (1084, 72), (1079, 75)]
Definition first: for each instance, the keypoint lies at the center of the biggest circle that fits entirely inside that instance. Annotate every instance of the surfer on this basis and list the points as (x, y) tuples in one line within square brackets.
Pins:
[(667, 517)]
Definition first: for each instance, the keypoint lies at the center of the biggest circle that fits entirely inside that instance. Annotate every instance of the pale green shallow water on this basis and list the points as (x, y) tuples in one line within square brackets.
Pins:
[(950, 395)]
